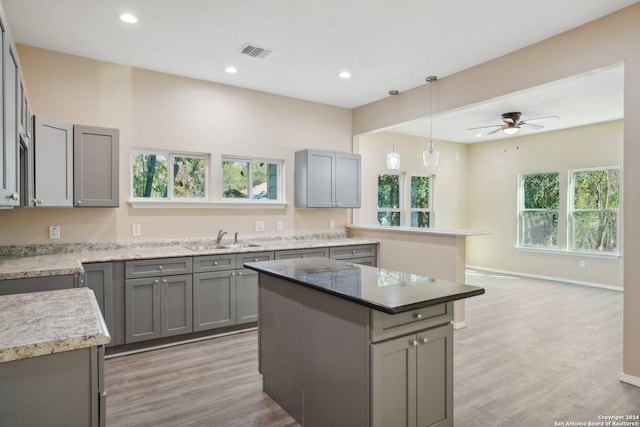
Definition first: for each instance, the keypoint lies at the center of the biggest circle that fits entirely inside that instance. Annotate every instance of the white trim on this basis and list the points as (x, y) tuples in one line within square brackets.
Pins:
[(553, 278), (630, 379), (602, 255), (183, 204), (459, 325)]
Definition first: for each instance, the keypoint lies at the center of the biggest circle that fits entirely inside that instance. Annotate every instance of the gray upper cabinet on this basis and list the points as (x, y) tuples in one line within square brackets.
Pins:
[(325, 179), (95, 166), (53, 163), (9, 148)]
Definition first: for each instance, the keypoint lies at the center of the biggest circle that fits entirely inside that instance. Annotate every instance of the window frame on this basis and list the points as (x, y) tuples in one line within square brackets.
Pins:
[(171, 155), (250, 160), (571, 210), (522, 209), (405, 210)]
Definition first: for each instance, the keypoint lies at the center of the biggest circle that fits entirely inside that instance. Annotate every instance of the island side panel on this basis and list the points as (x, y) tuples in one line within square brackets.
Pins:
[(336, 361), (280, 343)]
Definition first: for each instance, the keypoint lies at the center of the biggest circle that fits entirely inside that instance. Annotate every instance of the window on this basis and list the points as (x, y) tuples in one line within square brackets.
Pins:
[(251, 179), (391, 203), (389, 199), (168, 176), (594, 210), (538, 211)]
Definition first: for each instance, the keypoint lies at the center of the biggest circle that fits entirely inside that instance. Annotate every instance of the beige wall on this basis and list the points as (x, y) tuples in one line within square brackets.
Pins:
[(494, 168), (610, 40), (157, 110), (450, 177)]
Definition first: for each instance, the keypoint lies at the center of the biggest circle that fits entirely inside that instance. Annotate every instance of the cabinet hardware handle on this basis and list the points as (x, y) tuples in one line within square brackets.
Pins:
[(304, 256), (424, 340), (239, 273), (215, 262), (353, 251), (413, 342), (156, 281), (13, 196), (255, 260), (164, 281), (233, 274), (160, 267), (79, 202), (417, 315)]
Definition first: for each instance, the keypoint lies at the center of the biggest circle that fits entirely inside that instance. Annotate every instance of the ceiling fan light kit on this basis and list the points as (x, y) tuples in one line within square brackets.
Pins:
[(512, 123), (431, 156)]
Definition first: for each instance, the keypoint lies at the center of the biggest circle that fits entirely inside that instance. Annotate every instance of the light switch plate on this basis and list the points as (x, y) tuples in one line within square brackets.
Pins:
[(332, 224), (136, 230), (54, 231), (279, 226), (259, 225)]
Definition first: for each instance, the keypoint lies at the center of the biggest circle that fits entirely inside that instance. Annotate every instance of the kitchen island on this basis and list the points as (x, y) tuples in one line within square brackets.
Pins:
[(342, 344)]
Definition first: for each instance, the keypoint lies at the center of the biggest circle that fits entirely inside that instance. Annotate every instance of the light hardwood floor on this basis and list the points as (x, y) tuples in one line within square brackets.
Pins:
[(534, 353)]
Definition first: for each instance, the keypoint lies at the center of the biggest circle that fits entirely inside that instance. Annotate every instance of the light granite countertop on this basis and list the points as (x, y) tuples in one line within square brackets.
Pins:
[(39, 323), (54, 260)]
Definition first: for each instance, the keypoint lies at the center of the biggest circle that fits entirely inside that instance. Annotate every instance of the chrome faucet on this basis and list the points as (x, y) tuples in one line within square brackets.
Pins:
[(220, 235)]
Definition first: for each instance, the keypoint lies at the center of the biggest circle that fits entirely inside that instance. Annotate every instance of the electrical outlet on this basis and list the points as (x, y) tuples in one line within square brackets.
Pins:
[(136, 230), (279, 226), (332, 224), (582, 264), (54, 231), (259, 225)]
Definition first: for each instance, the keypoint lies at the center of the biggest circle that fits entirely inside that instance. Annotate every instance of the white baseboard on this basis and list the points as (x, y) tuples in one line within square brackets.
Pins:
[(555, 279), (630, 379), (459, 325)]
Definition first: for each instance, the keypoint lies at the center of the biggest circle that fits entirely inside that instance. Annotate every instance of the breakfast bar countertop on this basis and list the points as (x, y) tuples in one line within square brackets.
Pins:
[(40, 323)]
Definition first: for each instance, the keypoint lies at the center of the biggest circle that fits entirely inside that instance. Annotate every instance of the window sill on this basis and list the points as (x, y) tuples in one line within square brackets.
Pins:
[(166, 204), (570, 253)]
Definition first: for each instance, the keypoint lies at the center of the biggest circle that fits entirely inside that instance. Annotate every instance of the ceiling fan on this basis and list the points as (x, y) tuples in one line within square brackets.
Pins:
[(512, 123)]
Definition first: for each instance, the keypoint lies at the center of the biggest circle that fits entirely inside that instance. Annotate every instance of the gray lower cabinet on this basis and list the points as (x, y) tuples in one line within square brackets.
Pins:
[(38, 284), (246, 296), (158, 307), (358, 254), (95, 166), (302, 253), (214, 300), (412, 379), (99, 278), (59, 389)]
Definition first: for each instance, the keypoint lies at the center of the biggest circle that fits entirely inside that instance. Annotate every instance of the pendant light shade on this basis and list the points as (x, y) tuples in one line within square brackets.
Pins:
[(393, 158), (431, 156)]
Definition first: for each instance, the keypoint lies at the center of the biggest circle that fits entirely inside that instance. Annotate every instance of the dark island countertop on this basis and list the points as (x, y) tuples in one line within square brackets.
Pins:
[(377, 288)]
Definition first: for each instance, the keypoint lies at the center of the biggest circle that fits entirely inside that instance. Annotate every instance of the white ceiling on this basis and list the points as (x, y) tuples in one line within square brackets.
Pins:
[(385, 44)]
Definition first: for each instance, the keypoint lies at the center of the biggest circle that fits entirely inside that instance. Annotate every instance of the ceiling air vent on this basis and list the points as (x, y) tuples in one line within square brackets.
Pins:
[(255, 51)]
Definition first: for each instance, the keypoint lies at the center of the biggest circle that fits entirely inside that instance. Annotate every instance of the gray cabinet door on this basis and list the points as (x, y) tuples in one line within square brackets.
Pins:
[(99, 278), (347, 180), (96, 166), (434, 385), (214, 300), (9, 171), (176, 297), (142, 310), (320, 179), (393, 382), (246, 296), (53, 157)]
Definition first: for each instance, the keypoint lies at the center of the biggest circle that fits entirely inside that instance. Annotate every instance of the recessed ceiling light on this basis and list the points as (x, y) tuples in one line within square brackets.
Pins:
[(128, 18), (344, 75), (231, 69)]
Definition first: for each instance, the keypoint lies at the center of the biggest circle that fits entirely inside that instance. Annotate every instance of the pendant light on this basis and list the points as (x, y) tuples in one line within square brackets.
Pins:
[(431, 156), (393, 158)]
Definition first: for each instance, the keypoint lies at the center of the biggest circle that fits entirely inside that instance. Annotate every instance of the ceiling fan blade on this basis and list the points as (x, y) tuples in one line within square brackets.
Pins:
[(539, 119), (497, 130), (532, 126), (484, 127)]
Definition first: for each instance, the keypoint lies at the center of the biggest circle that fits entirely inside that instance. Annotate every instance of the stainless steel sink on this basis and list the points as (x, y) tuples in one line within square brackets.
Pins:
[(215, 246)]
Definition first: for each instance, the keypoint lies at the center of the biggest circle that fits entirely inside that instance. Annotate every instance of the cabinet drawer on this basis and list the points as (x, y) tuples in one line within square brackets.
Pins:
[(385, 326), (302, 253), (206, 263), (370, 261), (254, 257), (349, 252), (158, 267)]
